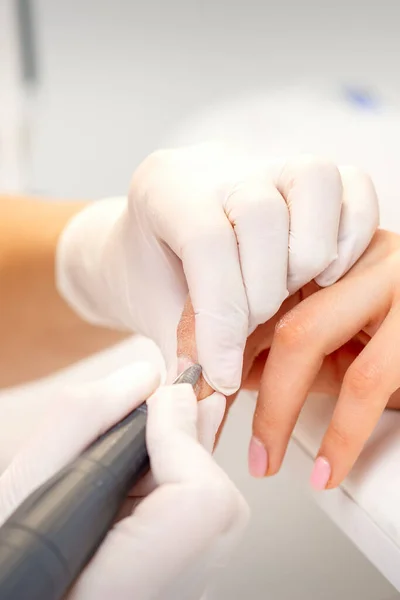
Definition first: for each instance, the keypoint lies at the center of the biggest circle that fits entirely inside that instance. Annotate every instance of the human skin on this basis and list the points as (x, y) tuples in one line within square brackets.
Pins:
[(39, 331), (334, 340), (255, 354)]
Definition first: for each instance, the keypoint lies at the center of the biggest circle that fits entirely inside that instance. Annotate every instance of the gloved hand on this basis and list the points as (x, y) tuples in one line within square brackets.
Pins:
[(175, 539), (238, 233)]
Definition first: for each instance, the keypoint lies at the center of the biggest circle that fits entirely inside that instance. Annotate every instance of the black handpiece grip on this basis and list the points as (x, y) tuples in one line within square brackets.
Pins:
[(52, 535)]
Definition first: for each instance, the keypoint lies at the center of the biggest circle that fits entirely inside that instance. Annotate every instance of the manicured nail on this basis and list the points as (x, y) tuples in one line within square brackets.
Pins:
[(320, 474), (258, 458)]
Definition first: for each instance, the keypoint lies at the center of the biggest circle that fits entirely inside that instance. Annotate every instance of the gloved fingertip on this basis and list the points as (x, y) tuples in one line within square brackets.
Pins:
[(172, 402), (214, 405), (332, 273), (211, 412), (222, 369), (225, 385)]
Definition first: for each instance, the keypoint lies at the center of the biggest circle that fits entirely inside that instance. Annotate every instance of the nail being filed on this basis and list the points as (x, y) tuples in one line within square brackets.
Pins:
[(190, 375)]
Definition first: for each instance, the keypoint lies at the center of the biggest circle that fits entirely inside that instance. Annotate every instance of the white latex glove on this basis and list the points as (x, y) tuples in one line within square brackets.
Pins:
[(176, 538), (239, 233)]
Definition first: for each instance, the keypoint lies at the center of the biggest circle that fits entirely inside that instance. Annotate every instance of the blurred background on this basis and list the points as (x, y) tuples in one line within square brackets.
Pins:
[(88, 89)]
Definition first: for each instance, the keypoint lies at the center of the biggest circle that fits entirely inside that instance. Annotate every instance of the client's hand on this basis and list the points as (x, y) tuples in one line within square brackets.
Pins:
[(339, 340), (170, 545)]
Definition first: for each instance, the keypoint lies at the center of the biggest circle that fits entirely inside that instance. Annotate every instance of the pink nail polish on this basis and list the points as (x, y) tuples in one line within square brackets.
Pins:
[(320, 474), (258, 458)]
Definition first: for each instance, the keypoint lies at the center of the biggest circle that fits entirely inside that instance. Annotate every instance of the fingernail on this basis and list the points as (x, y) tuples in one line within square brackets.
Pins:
[(320, 474), (258, 458), (184, 362)]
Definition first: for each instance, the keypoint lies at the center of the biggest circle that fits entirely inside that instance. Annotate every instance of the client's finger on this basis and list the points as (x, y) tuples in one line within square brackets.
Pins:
[(367, 386), (315, 328), (186, 347)]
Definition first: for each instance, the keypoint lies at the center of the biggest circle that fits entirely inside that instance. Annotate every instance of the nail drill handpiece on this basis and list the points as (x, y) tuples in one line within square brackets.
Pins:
[(48, 540)]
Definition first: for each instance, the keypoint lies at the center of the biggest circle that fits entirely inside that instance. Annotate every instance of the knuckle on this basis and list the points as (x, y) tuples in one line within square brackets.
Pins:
[(339, 437), (148, 174), (362, 378), (360, 193), (350, 172), (152, 162), (385, 249), (320, 166), (310, 165), (255, 198), (292, 329), (157, 159), (253, 206), (266, 420)]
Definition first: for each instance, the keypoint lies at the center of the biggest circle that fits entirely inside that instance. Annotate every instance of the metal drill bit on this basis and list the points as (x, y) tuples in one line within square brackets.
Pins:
[(190, 375)]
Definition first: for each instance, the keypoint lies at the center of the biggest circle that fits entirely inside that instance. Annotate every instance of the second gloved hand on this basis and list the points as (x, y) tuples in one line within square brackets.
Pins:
[(238, 234), (168, 546)]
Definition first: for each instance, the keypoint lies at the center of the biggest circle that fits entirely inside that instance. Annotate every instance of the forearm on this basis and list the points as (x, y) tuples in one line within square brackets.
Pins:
[(39, 333)]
